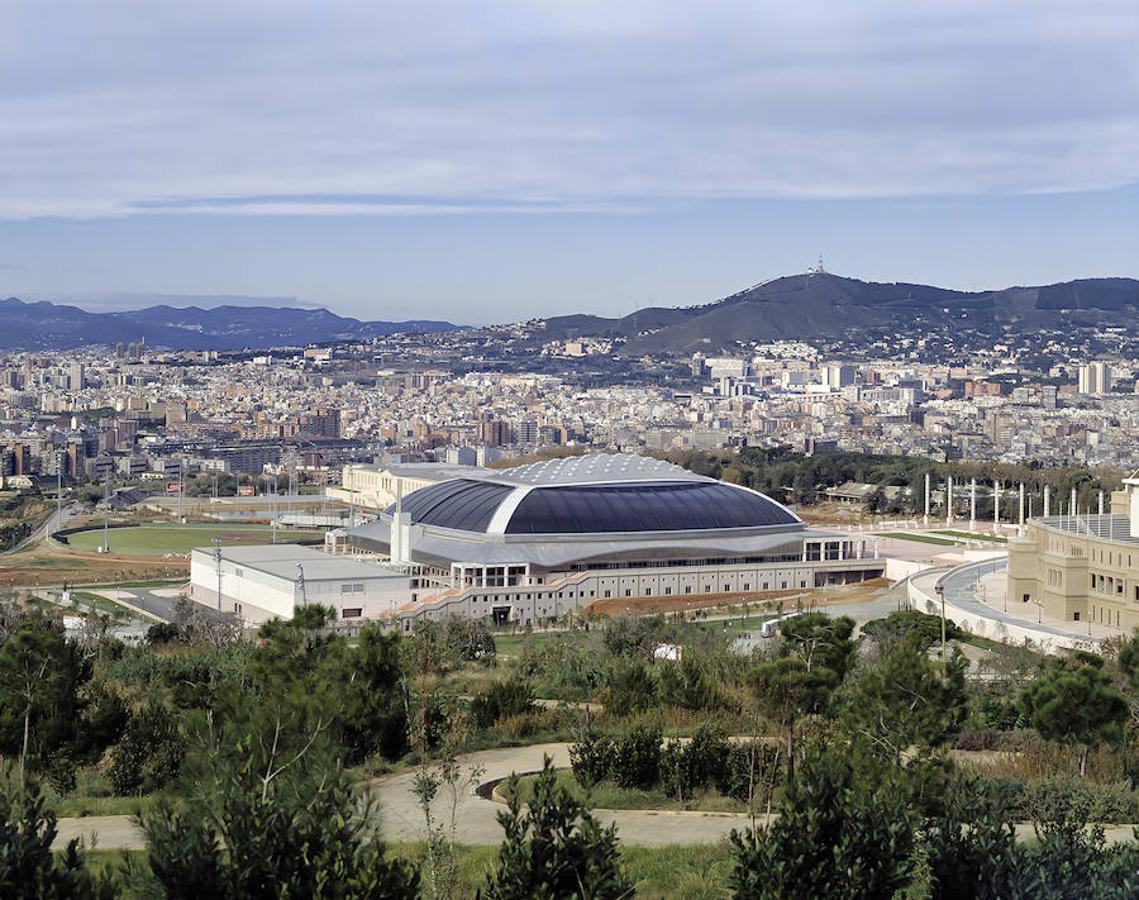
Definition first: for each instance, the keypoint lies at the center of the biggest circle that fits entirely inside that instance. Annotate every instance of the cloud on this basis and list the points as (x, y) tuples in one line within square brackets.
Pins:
[(450, 108)]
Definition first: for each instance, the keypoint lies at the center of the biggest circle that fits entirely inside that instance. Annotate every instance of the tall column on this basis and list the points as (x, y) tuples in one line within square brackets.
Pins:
[(996, 504), (1047, 501), (949, 500), (973, 502), (926, 498), (1020, 514), (1101, 503), (1072, 506)]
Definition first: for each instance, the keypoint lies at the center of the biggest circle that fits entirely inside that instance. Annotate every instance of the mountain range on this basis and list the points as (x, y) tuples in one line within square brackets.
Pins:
[(819, 304), (50, 326), (795, 307)]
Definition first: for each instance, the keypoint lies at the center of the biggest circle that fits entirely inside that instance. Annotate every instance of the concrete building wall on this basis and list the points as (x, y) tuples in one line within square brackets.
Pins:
[(1075, 575), (531, 604)]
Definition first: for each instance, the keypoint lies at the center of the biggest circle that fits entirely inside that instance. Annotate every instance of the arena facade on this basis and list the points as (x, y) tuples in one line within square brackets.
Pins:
[(531, 543)]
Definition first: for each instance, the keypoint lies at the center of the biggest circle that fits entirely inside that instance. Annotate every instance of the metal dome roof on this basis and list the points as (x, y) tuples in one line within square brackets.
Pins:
[(605, 494)]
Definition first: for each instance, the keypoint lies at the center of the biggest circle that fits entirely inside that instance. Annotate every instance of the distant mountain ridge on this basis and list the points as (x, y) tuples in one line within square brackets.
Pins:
[(43, 325), (819, 304)]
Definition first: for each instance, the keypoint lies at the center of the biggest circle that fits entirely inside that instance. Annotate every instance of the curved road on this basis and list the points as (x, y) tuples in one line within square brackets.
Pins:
[(401, 819)]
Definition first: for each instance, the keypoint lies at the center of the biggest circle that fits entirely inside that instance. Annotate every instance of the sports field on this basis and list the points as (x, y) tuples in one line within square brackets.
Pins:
[(158, 540)]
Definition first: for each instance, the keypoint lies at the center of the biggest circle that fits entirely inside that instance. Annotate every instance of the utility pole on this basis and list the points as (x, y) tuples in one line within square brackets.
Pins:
[(181, 483), (106, 512), (59, 490), (217, 566)]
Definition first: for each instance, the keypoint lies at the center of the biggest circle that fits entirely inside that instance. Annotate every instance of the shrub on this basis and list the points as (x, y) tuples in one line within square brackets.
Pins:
[(504, 698), (636, 758), (685, 684), (591, 758), (631, 689), (1061, 799), (150, 753), (693, 766), (749, 769)]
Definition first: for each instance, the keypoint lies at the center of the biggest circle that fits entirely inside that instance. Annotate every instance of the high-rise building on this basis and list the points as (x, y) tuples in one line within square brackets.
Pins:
[(1095, 378)]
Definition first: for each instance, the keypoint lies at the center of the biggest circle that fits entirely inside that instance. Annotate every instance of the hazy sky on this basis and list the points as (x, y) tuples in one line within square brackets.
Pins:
[(499, 160)]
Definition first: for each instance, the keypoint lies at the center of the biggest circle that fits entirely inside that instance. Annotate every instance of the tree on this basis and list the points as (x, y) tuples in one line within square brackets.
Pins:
[(28, 866), (367, 681), (906, 698), (1075, 703), (843, 831), (555, 849), (810, 663), (40, 674), (275, 816)]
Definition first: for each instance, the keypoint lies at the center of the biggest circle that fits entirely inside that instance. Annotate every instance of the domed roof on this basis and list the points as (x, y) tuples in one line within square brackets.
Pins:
[(596, 494)]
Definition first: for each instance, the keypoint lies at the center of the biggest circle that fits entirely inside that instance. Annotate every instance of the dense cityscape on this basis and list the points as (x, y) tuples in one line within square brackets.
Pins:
[(569, 451)]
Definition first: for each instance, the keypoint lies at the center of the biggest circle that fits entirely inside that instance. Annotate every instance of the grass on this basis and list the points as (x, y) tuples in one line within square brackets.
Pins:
[(919, 538), (155, 583), (973, 535), (102, 604), (668, 873), (94, 796), (159, 540), (609, 796)]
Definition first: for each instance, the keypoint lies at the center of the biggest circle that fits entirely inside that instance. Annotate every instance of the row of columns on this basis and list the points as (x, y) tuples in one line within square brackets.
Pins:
[(997, 487)]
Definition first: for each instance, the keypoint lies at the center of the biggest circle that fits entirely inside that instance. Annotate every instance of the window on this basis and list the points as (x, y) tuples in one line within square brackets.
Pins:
[(353, 613), (239, 572), (608, 594)]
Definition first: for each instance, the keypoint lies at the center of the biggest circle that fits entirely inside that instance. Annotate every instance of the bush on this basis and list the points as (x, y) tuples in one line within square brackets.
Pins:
[(636, 758), (749, 770), (685, 684), (591, 758), (903, 623), (690, 767), (632, 689), (150, 753), (504, 698), (1061, 799)]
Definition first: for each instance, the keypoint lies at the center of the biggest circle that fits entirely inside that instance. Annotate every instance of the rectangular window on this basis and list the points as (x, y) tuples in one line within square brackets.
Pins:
[(353, 613)]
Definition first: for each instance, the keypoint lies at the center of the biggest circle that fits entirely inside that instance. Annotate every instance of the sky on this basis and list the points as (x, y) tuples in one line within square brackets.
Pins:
[(496, 161)]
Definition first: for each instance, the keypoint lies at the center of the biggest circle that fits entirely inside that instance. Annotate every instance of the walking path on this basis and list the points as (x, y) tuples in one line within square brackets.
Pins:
[(402, 820)]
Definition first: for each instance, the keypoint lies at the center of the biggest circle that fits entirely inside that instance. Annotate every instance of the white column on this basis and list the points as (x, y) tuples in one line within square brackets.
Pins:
[(949, 500), (1101, 503), (973, 502), (1072, 506), (996, 504), (926, 498), (1047, 501), (1020, 514)]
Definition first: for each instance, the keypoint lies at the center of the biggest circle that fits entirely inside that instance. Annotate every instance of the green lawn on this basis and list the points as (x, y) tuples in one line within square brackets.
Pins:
[(102, 604), (158, 540), (609, 796), (920, 538), (667, 873), (973, 536)]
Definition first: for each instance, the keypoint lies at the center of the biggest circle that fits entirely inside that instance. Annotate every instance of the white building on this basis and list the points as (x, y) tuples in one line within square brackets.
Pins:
[(272, 580)]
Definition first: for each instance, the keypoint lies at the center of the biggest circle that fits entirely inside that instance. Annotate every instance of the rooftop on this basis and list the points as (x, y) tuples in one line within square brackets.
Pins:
[(281, 560), (597, 468)]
